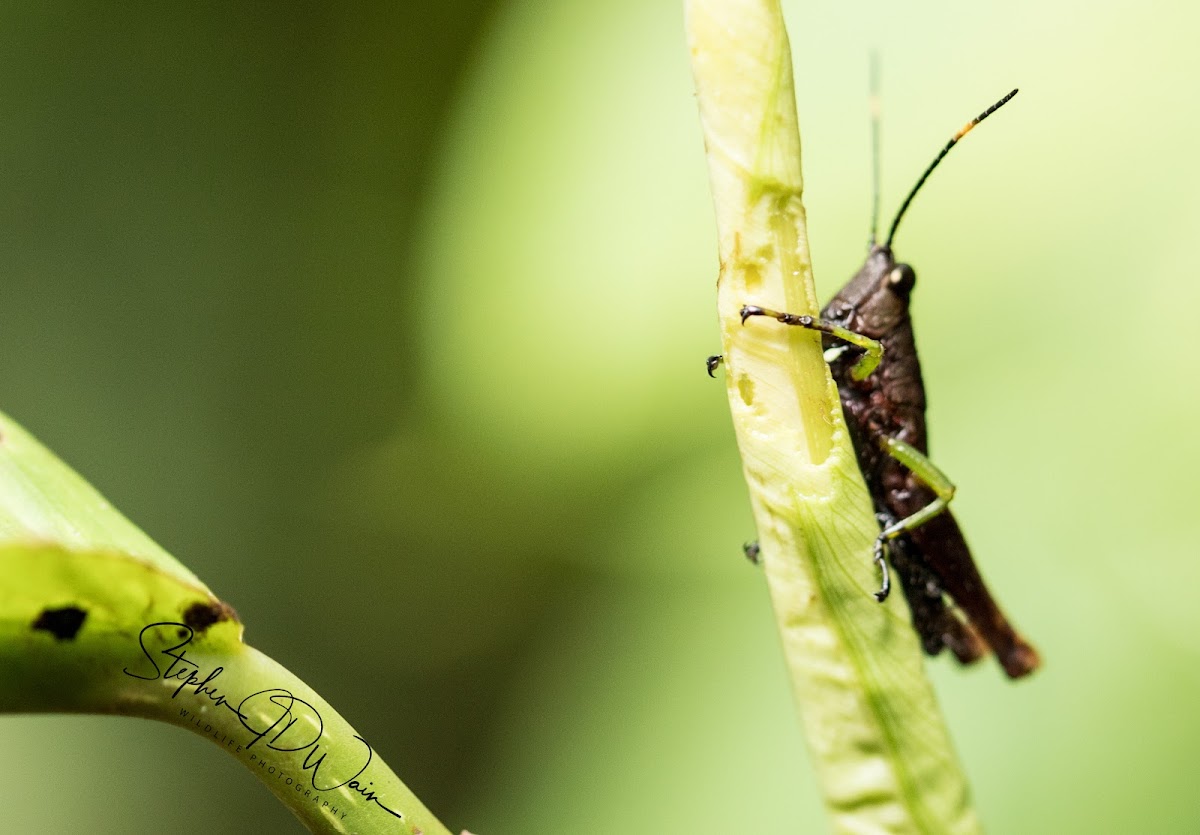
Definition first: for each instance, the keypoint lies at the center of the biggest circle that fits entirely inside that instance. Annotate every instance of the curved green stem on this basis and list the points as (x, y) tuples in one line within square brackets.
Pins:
[(875, 733)]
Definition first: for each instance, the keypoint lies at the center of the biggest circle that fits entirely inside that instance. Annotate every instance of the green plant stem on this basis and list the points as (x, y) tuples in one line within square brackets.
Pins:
[(877, 740)]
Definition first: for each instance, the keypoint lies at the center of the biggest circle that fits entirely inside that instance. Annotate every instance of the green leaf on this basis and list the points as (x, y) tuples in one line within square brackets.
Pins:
[(97, 618), (44, 501)]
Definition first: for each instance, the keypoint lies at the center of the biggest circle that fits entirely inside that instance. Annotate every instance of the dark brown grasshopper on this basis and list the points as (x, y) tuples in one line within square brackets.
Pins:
[(883, 399)]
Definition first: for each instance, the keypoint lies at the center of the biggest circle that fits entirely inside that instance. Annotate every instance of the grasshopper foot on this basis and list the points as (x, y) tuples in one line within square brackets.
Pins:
[(751, 310), (751, 550), (886, 588)]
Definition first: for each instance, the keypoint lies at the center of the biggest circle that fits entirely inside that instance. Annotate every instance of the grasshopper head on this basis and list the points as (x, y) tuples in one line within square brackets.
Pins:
[(876, 299)]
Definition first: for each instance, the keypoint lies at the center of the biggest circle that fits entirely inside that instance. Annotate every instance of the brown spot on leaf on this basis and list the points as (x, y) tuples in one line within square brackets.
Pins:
[(64, 624), (203, 614)]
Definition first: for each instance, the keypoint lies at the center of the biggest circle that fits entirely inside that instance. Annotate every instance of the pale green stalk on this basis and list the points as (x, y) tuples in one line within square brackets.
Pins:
[(876, 736), (97, 618)]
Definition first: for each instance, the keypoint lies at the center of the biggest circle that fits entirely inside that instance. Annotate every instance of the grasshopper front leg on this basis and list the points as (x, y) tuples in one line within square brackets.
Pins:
[(917, 463), (928, 474), (872, 348), (868, 362)]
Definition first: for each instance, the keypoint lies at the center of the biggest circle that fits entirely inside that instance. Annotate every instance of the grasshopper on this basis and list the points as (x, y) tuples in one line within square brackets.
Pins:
[(868, 337)]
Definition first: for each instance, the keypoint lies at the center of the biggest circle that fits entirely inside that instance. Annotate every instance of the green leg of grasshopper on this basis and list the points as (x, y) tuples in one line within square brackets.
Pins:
[(872, 349), (916, 462), (868, 362), (929, 475)]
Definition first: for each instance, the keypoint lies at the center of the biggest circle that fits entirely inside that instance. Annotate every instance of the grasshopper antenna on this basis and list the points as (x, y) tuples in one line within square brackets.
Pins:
[(963, 131), (874, 106)]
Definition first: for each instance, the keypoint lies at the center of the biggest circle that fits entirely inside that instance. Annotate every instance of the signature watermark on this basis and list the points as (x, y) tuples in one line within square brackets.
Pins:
[(275, 719)]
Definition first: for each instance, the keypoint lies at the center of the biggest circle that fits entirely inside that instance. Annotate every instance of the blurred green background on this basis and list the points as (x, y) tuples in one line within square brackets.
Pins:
[(389, 321)]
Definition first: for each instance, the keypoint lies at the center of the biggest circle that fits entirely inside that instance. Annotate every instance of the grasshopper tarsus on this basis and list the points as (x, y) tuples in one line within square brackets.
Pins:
[(803, 321), (752, 552), (885, 587), (886, 583)]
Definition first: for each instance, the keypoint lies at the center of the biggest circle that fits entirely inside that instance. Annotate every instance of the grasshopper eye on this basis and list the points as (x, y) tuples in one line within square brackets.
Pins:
[(902, 278)]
